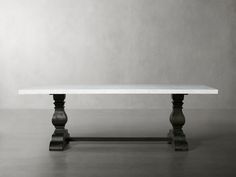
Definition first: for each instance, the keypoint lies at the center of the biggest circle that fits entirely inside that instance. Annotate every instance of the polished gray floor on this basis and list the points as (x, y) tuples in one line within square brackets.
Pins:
[(25, 134)]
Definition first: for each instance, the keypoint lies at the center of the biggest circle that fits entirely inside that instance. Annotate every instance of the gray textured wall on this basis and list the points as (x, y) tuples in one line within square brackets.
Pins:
[(117, 42)]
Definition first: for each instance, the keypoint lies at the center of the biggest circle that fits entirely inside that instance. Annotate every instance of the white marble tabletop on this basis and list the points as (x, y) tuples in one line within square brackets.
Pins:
[(120, 89)]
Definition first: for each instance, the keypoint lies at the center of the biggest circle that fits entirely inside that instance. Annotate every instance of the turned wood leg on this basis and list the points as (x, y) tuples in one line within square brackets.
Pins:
[(177, 120), (60, 137)]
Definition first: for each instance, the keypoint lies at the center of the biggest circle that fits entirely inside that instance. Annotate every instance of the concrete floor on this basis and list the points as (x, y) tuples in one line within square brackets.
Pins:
[(25, 135)]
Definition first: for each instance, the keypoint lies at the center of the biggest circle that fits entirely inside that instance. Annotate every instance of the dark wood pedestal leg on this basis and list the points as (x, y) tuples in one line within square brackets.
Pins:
[(177, 119), (60, 137)]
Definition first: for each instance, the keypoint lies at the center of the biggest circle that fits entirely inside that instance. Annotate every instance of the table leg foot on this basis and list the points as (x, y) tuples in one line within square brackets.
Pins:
[(178, 141), (60, 140)]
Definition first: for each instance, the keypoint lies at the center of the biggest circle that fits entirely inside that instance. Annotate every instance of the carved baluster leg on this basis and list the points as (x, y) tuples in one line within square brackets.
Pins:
[(177, 120), (59, 119)]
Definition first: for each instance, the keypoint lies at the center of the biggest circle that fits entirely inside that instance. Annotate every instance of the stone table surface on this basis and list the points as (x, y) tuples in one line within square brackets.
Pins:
[(120, 89)]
